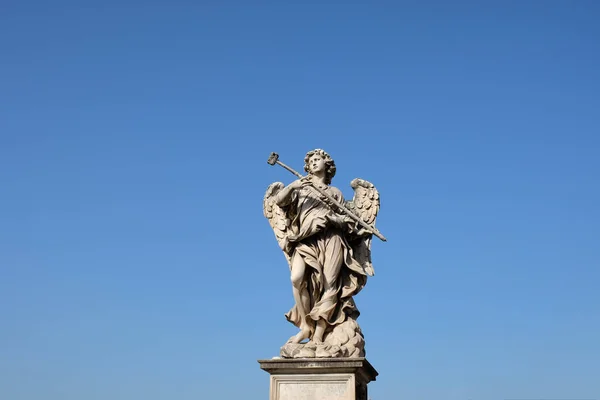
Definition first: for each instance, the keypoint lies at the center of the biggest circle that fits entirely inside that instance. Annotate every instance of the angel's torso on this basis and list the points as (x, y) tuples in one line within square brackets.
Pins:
[(311, 210)]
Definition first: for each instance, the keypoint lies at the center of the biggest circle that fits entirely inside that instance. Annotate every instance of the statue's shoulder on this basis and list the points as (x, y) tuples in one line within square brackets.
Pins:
[(336, 192)]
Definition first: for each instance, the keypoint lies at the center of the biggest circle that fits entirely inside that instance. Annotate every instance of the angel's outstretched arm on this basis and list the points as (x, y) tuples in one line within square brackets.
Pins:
[(284, 197)]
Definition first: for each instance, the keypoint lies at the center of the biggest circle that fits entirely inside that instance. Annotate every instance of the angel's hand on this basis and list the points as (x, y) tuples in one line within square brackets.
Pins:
[(342, 221), (297, 184), (363, 232), (306, 181), (348, 220)]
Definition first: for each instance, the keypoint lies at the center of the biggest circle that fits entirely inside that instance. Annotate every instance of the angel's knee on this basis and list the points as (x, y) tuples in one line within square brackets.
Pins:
[(297, 275)]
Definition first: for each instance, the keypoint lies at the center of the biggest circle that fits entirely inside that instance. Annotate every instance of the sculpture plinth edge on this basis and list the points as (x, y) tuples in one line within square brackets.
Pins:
[(309, 379)]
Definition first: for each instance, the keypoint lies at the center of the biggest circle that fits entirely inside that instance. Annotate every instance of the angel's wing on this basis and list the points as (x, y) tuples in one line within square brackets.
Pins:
[(278, 219), (364, 204)]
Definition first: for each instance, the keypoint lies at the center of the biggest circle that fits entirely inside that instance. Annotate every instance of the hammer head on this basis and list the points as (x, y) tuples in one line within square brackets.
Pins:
[(273, 158)]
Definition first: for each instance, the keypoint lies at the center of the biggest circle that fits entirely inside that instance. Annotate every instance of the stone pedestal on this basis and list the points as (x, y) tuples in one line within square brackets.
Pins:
[(319, 378)]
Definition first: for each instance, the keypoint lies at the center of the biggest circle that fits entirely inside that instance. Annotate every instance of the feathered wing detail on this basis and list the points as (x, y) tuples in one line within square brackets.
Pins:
[(364, 204), (278, 219)]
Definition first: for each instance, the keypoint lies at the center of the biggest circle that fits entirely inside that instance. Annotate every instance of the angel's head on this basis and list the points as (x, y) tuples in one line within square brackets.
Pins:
[(317, 160)]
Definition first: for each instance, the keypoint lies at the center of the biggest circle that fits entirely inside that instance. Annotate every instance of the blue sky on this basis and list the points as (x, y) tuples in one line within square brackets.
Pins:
[(135, 262)]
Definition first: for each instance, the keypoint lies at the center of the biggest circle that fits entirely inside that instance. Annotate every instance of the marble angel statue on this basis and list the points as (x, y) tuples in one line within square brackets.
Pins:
[(329, 255)]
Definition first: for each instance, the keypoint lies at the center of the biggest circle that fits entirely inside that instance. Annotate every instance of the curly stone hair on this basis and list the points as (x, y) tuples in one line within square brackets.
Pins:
[(329, 163)]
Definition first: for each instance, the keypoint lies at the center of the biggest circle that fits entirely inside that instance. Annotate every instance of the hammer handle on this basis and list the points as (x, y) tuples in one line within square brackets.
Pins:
[(289, 169)]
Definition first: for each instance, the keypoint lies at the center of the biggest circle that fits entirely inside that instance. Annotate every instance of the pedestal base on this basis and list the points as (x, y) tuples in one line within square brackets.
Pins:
[(319, 378)]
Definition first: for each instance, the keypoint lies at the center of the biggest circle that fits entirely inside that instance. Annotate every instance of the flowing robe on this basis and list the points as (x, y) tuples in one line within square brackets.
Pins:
[(332, 274)]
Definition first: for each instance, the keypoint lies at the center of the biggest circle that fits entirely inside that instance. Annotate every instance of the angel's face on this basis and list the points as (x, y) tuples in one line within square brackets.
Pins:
[(316, 163)]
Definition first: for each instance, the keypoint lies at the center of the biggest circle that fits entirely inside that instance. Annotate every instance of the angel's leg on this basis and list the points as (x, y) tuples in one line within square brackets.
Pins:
[(319, 331), (301, 297), (331, 274)]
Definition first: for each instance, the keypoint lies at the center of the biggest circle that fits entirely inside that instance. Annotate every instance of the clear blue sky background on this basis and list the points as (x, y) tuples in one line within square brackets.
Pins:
[(135, 262)]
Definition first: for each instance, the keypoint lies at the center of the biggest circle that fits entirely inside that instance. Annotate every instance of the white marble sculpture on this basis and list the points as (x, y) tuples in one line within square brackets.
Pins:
[(327, 243)]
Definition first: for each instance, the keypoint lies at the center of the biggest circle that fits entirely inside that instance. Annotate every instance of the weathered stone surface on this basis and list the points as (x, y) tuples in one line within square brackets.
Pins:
[(309, 387), (327, 243)]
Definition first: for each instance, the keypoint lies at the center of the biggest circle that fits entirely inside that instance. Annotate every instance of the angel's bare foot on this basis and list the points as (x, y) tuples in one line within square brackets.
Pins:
[(300, 336), (316, 340)]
